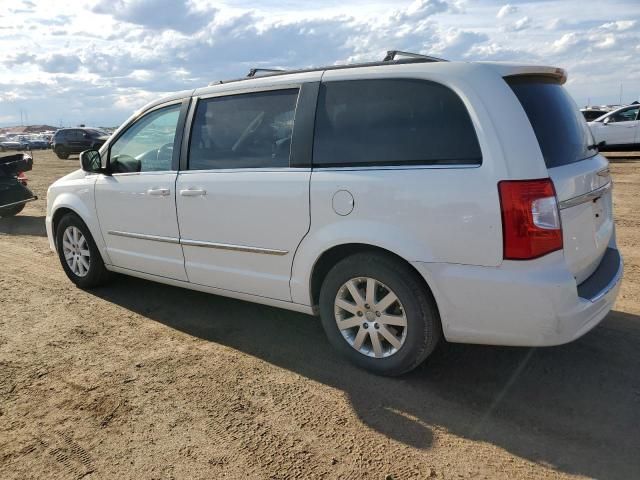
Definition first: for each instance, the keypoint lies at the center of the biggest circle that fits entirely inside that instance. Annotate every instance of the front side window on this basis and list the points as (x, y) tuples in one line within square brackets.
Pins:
[(250, 130), (628, 115), (392, 122), (147, 145)]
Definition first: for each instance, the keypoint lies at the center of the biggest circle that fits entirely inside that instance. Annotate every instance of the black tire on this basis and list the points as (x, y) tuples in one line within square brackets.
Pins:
[(61, 153), (97, 274), (423, 331), (11, 211)]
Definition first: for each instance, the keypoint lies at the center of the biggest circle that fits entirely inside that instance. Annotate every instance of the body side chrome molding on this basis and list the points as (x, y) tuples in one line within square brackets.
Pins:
[(237, 248), (142, 236), (587, 197), (198, 243)]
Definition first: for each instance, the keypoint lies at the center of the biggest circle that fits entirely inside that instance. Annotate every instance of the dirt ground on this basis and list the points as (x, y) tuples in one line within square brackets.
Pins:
[(140, 380)]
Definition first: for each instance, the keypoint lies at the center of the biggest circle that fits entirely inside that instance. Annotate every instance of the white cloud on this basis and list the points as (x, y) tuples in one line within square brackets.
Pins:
[(521, 24), (566, 42), (178, 15), (556, 24), (58, 63), (620, 25), (507, 10), (608, 41)]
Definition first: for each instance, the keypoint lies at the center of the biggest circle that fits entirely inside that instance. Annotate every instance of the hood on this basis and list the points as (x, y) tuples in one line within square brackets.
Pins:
[(75, 175)]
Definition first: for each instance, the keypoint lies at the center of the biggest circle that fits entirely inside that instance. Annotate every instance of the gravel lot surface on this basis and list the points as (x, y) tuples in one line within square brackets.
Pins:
[(140, 380)]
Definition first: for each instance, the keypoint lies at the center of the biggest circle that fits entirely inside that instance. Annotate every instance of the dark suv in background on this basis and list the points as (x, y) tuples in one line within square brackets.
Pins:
[(75, 140)]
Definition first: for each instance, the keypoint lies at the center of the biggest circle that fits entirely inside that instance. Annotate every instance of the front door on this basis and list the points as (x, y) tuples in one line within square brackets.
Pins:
[(621, 128), (137, 205), (242, 208)]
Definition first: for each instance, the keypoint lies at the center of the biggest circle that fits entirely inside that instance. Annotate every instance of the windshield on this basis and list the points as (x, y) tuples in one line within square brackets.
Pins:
[(561, 130)]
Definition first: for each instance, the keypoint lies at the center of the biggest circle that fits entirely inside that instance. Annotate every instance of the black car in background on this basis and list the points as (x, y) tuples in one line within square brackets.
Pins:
[(75, 140)]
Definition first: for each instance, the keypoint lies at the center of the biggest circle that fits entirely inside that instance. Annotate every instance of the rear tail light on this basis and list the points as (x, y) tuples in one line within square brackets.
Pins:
[(530, 219), (22, 178)]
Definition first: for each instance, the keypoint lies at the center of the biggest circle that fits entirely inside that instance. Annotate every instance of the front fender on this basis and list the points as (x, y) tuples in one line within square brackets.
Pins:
[(77, 196)]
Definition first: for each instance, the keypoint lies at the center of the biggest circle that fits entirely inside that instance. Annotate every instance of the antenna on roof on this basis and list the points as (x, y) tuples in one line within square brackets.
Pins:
[(253, 71), (392, 54)]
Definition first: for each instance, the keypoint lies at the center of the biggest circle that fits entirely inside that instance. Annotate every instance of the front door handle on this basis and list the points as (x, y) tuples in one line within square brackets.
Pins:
[(162, 192), (193, 192)]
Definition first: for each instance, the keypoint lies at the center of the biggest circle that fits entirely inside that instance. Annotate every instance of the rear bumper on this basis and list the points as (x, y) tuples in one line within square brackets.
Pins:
[(533, 303)]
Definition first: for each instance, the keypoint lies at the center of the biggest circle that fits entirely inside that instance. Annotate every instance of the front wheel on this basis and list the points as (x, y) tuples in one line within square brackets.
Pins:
[(378, 313), (78, 253)]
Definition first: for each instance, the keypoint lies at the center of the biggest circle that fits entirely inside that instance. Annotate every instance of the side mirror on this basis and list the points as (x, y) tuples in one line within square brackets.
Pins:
[(125, 164), (606, 121), (91, 162)]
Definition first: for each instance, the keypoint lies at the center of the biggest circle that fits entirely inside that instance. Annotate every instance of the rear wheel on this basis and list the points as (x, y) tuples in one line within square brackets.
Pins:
[(11, 211), (378, 313), (78, 253)]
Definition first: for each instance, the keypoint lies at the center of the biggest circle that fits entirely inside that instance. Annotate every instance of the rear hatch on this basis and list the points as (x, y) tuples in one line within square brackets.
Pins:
[(580, 175)]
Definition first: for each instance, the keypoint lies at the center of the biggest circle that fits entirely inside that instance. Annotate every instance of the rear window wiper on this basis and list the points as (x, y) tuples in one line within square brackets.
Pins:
[(596, 146)]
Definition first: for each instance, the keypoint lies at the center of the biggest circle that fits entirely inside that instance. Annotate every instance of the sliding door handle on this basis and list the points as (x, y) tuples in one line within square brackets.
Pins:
[(193, 192), (162, 192)]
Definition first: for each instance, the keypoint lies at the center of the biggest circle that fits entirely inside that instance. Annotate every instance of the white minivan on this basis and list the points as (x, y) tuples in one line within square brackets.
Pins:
[(403, 201)]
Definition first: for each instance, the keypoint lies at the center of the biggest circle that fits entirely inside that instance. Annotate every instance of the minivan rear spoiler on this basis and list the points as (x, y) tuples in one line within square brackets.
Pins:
[(515, 70)]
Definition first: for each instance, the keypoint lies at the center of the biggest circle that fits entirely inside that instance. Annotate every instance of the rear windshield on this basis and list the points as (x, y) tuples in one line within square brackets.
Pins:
[(561, 129)]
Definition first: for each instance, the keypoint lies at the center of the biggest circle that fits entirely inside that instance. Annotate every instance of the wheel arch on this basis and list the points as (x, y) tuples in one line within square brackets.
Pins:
[(68, 203), (336, 253), (55, 220)]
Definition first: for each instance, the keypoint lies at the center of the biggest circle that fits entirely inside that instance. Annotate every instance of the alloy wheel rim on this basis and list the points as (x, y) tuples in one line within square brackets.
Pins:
[(370, 317), (76, 251)]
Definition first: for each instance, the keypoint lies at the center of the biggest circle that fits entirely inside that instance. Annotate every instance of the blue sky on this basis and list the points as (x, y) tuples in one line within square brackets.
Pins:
[(96, 61)]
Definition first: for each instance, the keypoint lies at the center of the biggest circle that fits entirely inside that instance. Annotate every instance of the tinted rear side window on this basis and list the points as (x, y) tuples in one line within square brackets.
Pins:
[(252, 130), (392, 122), (561, 130)]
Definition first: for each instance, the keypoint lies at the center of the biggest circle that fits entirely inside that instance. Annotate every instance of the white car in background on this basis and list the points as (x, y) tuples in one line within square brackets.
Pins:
[(402, 201), (620, 128)]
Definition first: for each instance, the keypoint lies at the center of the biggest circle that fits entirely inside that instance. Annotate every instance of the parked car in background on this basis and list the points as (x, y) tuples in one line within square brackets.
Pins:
[(14, 193), (619, 128), (67, 141), (591, 114), (402, 200), (37, 142), (13, 144)]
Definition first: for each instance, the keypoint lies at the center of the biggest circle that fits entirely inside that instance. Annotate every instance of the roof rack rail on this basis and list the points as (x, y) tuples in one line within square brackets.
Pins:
[(392, 54), (389, 59), (253, 71)]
